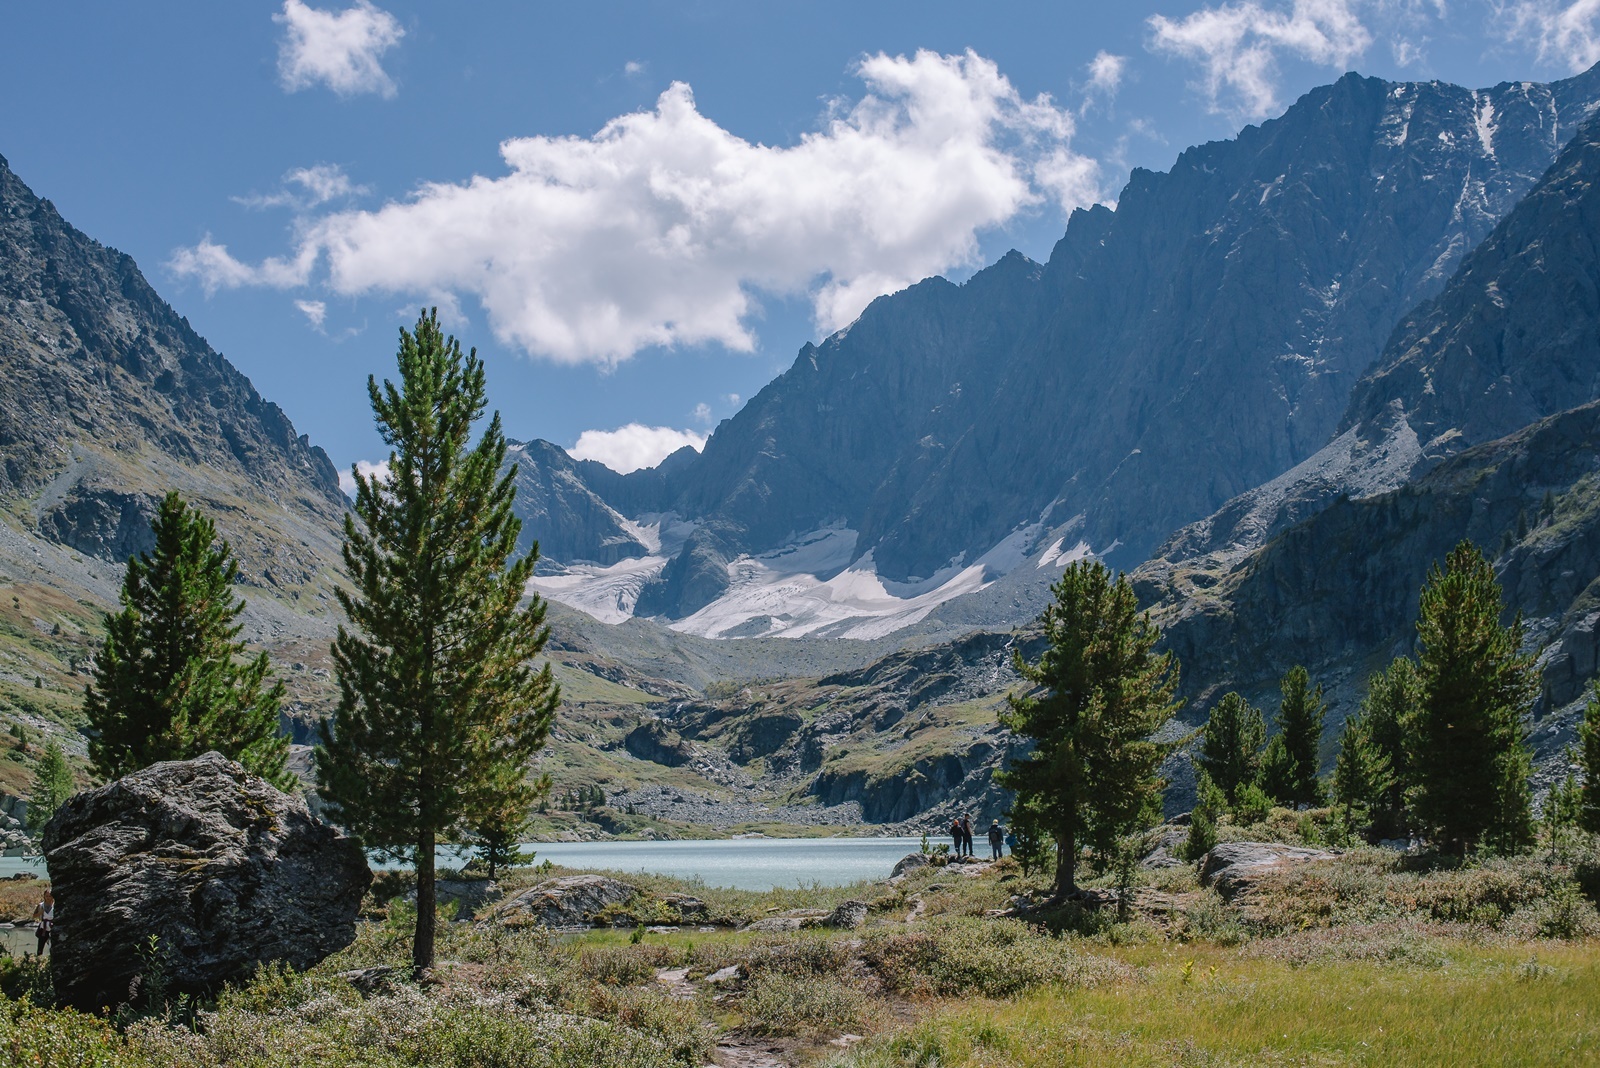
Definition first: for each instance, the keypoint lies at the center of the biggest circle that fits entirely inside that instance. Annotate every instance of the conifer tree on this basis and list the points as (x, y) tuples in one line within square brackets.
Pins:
[(52, 785), (169, 683), (1589, 763), (1289, 767), (1393, 696), (498, 827), (1361, 773), (1230, 746), (1099, 693), (440, 708), (1466, 753)]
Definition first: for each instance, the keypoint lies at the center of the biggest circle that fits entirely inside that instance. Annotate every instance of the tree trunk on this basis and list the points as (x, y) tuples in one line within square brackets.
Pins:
[(1066, 866), (493, 853), (427, 905)]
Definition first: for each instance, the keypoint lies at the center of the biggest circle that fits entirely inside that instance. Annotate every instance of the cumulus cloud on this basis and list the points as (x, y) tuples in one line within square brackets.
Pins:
[(702, 413), (338, 49), (664, 228), (1237, 46), (634, 446), (368, 469), (1563, 33), (314, 310)]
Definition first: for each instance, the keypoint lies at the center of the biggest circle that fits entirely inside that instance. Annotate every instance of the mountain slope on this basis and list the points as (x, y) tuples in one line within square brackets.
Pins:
[(1199, 340)]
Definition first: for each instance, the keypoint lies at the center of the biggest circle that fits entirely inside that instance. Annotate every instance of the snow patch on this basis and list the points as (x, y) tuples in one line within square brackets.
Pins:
[(1484, 119)]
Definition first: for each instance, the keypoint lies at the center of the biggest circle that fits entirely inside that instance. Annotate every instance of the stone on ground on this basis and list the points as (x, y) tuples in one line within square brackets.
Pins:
[(848, 916), (570, 901), (1233, 866), (223, 870)]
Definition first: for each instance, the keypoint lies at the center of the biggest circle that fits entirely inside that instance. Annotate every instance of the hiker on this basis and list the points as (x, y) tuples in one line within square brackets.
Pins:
[(966, 832), (996, 838), (955, 836), (44, 915)]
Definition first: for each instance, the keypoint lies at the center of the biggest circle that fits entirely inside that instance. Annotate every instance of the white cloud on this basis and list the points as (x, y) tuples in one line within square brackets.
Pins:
[(380, 471), (317, 186), (1105, 73), (664, 229), (1564, 33), (633, 446), (314, 310), (1237, 45), (338, 49), (733, 399), (702, 413), (632, 67)]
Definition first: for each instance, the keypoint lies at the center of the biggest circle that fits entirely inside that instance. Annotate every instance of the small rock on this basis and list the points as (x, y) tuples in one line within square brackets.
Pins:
[(845, 1041), (724, 975), (848, 916), (370, 981)]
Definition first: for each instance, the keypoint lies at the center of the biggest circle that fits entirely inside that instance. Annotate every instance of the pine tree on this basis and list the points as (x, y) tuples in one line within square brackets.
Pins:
[(1589, 763), (52, 785), (1289, 767), (169, 683), (1099, 693), (497, 829), (1466, 754), (1362, 775), (1230, 746), (440, 708), (1393, 696)]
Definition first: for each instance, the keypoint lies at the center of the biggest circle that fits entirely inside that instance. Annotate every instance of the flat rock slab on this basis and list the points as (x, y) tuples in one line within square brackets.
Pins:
[(223, 870), (1232, 866), (570, 901)]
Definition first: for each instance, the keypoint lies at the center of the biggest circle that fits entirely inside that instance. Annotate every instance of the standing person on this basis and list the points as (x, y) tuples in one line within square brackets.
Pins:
[(996, 838), (955, 836), (44, 915), (966, 832)]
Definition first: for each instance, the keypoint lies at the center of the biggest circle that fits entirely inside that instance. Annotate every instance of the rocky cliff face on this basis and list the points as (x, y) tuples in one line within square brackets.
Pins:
[(111, 398), (1198, 341)]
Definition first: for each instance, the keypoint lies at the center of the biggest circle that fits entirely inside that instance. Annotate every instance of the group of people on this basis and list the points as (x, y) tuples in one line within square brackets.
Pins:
[(961, 832)]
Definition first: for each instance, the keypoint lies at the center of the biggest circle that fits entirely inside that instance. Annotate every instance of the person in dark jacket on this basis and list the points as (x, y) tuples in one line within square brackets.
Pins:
[(997, 839), (966, 833), (956, 837)]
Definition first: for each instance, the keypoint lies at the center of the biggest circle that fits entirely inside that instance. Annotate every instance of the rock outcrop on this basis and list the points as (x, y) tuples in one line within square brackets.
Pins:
[(570, 901), (1233, 866), (223, 871)]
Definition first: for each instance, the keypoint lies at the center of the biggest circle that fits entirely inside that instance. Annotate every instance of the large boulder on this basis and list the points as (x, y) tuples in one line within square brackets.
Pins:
[(1233, 866), (570, 901), (222, 869)]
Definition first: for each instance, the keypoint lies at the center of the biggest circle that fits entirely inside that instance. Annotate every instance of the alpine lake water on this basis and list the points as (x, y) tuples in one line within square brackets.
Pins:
[(737, 863)]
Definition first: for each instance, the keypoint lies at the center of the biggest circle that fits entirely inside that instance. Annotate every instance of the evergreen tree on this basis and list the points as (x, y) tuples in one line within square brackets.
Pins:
[(497, 829), (52, 785), (440, 708), (1362, 776), (1393, 696), (1589, 763), (1467, 756), (1099, 693), (1230, 745), (1289, 767), (169, 683)]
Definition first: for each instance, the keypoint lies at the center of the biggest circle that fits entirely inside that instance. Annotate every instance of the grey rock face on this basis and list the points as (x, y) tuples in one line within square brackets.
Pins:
[(655, 742), (570, 901), (1232, 866), (225, 871), (848, 916)]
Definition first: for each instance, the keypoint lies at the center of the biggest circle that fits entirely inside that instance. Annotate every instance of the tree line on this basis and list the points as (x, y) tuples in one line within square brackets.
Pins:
[(1438, 748)]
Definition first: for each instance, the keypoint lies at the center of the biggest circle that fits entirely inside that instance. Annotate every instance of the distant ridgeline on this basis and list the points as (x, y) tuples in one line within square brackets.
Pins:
[(940, 459)]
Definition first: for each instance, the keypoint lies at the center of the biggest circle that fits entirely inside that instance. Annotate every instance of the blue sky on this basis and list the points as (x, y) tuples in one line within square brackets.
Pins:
[(687, 192)]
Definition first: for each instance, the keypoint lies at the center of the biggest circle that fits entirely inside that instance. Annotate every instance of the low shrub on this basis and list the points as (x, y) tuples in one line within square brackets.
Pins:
[(780, 1004), (996, 958)]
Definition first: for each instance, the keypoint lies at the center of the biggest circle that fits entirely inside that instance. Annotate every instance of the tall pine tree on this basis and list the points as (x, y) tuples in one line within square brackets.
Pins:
[(1231, 743), (1466, 753), (169, 683), (440, 709), (1589, 763), (52, 785), (1099, 693), (1289, 768)]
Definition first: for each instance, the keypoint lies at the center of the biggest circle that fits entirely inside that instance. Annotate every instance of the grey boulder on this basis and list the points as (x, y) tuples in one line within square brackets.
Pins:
[(570, 901), (909, 863), (1233, 866), (217, 869), (848, 916)]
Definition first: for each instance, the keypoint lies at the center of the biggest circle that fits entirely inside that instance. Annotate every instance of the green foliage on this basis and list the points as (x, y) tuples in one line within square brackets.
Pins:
[(992, 958), (1231, 743), (1563, 807), (168, 683), (1210, 802), (1253, 805), (1289, 767), (498, 827), (1467, 755), (440, 708), (1099, 693), (26, 977), (779, 1004), (1368, 780), (1589, 762), (52, 786)]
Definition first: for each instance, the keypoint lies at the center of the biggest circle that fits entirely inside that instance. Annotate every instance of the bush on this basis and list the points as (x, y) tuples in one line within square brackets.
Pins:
[(996, 958), (26, 977), (30, 1035), (779, 1004), (619, 966)]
